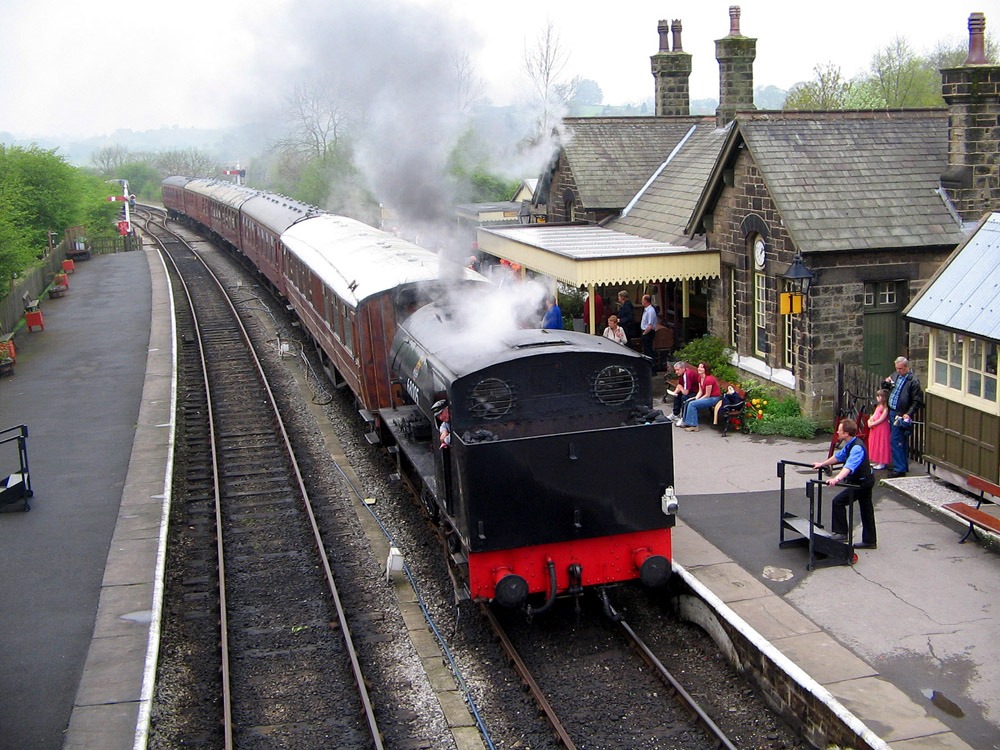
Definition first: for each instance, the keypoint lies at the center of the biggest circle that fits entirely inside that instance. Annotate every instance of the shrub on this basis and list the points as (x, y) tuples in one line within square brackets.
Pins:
[(797, 427), (713, 351), (768, 414)]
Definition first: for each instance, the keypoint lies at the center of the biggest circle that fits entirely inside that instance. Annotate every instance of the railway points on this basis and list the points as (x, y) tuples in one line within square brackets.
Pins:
[(869, 635)]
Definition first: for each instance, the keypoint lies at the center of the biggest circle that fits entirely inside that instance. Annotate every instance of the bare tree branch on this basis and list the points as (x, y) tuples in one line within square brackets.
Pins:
[(544, 64)]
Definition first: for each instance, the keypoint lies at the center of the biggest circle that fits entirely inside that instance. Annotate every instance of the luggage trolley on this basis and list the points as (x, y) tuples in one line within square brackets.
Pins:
[(810, 530), (17, 486)]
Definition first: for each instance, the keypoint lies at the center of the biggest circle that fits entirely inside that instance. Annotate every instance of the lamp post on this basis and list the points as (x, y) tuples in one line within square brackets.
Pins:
[(799, 278)]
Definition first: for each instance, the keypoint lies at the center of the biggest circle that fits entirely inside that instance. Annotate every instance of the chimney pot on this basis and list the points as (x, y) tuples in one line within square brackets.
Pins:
[(664, 30), (977, 47), (676, 29), (734, 20)]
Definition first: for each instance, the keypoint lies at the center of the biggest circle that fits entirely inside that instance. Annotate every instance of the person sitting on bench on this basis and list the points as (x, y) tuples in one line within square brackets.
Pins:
[(709, 394)]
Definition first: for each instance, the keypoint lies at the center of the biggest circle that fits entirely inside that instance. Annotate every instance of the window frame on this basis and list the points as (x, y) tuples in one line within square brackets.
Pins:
[(953, 370)]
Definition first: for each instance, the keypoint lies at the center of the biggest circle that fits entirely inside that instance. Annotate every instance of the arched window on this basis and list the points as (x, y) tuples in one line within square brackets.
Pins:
[(569, 205)]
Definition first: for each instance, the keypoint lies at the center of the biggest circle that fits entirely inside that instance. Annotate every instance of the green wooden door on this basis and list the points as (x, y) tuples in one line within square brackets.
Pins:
[(884, 332)]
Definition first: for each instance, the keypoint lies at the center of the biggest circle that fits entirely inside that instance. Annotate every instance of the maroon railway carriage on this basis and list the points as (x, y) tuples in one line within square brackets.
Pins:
[(351, 284), (264, 218), (213, 204)]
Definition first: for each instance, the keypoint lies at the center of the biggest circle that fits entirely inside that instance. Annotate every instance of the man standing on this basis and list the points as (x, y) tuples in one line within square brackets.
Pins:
[(553, 315), (854, 455), (626, 317), (648, 326), (905, 398), (598, 313)]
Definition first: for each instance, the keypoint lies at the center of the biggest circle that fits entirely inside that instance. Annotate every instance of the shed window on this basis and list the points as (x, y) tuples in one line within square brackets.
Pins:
[(966, 364)]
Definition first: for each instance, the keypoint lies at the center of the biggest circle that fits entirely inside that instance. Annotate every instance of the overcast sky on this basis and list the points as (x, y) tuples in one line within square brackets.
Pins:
[(76, 68)]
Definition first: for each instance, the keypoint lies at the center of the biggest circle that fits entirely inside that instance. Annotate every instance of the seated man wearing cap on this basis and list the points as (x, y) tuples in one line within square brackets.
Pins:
[(443, 413)]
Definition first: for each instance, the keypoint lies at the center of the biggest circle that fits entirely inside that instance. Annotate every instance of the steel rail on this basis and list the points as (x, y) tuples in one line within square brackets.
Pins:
[(526, 677), (351, 651)]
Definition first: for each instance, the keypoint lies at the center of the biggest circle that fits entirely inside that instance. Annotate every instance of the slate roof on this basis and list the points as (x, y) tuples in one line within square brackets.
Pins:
[(663, 208), (612, 157), (849, 180), (964, 295)]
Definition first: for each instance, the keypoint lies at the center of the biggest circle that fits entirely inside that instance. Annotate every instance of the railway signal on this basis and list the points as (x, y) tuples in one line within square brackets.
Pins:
[(237, 172), (124, 224)]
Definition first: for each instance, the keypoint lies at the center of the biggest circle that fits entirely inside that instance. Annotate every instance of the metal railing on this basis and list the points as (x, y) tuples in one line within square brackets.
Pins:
[(856, 389)]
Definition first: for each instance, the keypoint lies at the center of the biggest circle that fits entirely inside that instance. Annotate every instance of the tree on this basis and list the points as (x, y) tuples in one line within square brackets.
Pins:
[(587, 93), (320, 115), (468, 169), (109, 159), (144, 180), (468, 85), (189, 161), (769, 97), (952, 55), (901, 79), (40, 192), (828, 90), (544, 64)]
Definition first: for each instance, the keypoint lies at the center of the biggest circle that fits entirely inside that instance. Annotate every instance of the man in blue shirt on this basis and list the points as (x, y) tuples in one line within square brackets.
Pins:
[(553, 315), (905, 398), (648, 326), (853, 453)]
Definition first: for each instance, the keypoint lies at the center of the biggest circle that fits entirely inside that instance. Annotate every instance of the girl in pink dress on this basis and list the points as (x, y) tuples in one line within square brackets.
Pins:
[(879, 451)]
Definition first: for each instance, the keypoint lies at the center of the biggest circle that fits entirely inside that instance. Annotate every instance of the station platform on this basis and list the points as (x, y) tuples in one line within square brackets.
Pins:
[(81, 568), (903, 642), (905, 639)]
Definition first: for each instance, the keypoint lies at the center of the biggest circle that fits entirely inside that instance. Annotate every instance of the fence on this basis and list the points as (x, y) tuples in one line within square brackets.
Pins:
[(856, 389)]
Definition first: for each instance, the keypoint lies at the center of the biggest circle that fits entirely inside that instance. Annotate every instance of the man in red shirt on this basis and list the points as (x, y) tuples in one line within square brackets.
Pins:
[(685, 389), (598, 313)]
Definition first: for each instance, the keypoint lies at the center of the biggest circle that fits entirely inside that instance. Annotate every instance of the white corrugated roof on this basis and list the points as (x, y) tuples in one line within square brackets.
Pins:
[(964, 295), (589, 254), (358, 261)]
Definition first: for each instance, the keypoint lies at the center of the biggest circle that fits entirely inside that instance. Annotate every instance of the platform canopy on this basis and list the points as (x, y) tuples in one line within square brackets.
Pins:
[(588, 255)]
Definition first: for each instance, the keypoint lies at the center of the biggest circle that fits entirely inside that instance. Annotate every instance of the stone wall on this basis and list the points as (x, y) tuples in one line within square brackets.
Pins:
[(563, 181), (973, 97), (822, 724), (831, 328)]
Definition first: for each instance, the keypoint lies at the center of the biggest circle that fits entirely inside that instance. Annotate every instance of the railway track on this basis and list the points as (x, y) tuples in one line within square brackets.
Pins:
[(647, 721), (285, 651), (619, 706)]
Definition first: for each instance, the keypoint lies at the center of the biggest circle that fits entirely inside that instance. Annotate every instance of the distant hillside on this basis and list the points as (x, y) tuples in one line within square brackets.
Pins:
[(249, 141), (226, 145)]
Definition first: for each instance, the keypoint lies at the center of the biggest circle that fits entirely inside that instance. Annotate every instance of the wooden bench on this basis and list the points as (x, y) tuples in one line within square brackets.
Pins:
[(975, 515), (30, 305)]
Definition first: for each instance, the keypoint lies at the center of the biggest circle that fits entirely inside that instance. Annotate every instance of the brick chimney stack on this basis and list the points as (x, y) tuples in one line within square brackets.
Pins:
[(972, 93), (671, 71), (735, 54)]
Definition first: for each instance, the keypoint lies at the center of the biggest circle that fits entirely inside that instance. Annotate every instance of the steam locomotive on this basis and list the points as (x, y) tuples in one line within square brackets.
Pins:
[(537, 451)]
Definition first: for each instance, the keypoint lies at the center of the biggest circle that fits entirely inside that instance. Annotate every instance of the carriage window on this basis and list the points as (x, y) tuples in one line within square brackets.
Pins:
[(348, 317), (328, 310)]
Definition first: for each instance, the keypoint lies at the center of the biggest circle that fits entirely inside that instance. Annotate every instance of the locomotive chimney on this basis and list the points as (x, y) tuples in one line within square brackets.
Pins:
[(735, 54), (671, 71), (972, 93)]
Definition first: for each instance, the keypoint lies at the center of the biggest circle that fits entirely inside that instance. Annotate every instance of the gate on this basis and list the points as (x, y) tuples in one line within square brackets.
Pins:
[(856, 389)]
